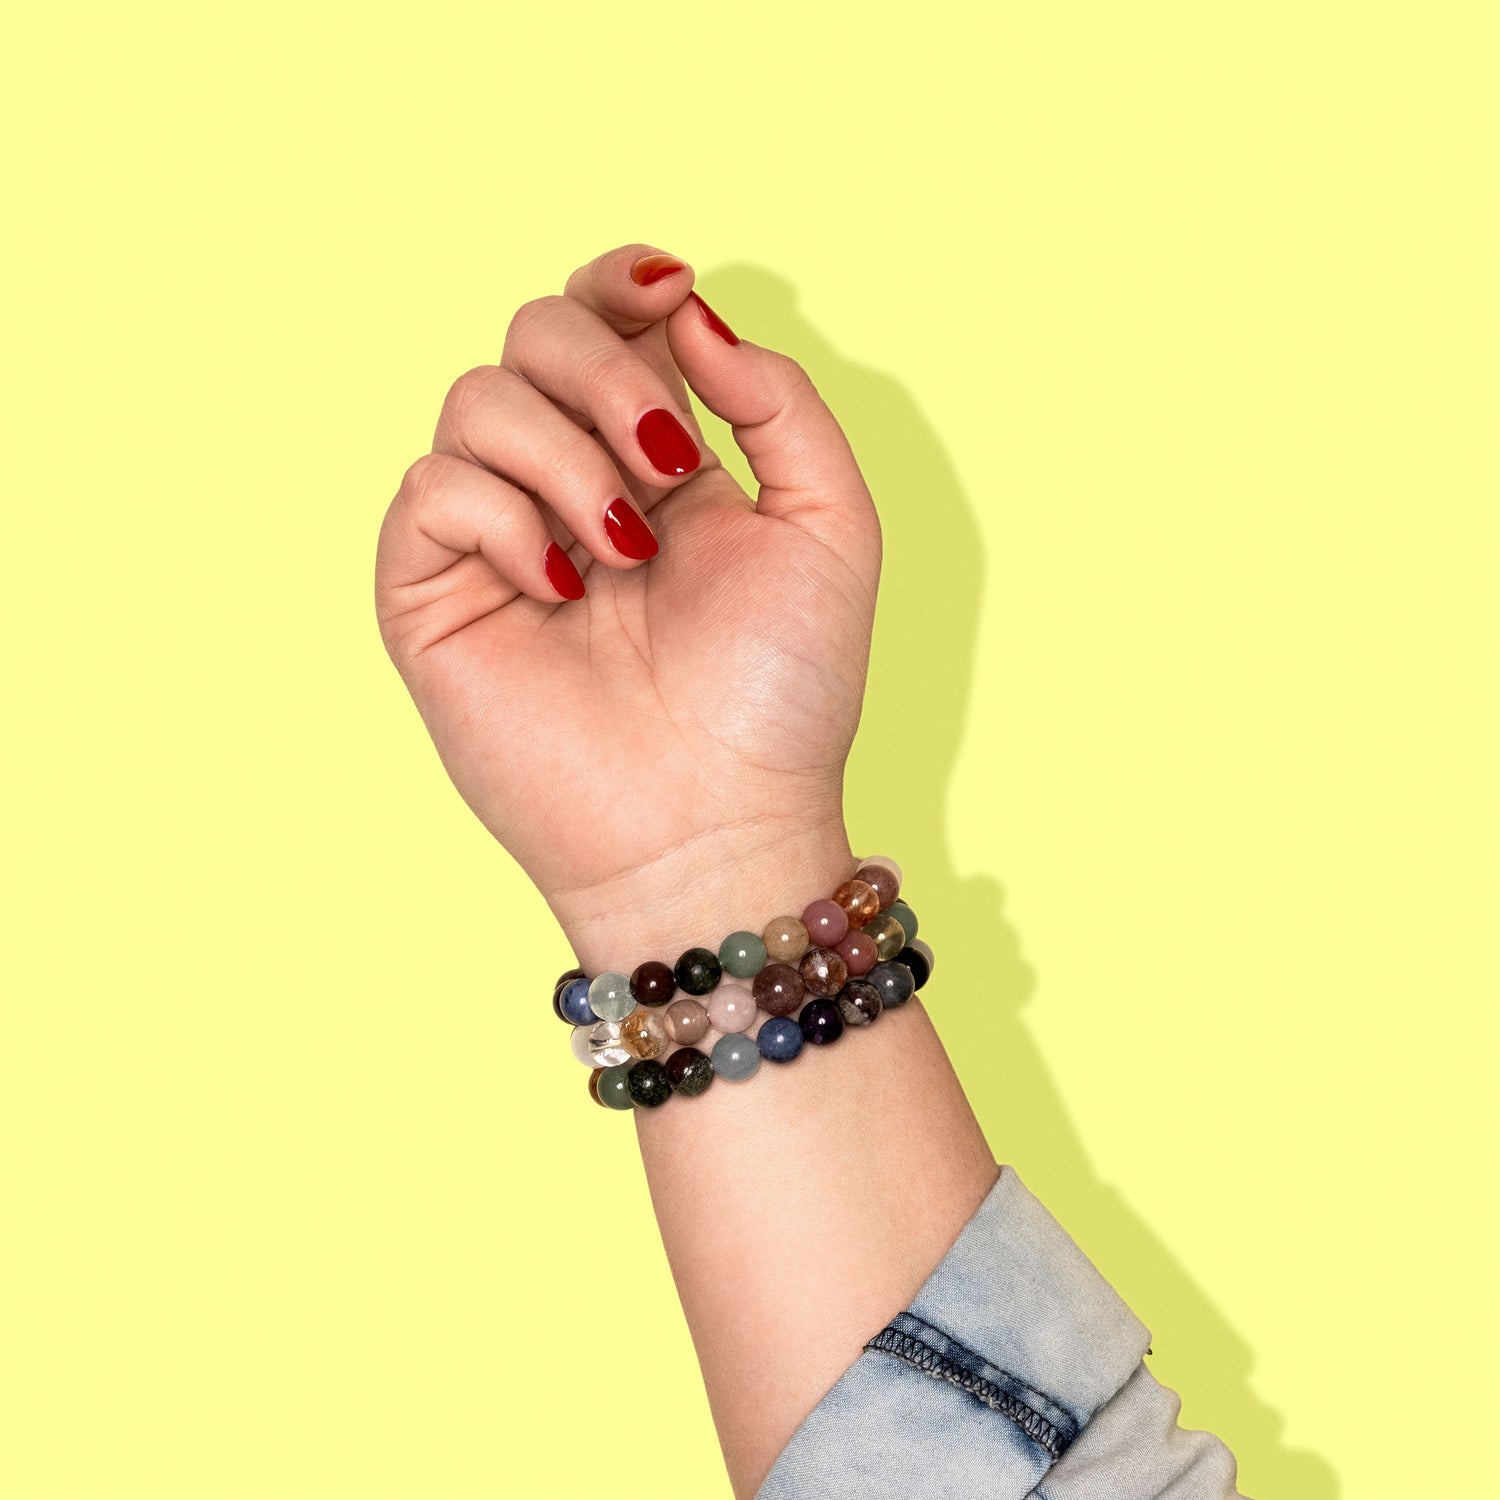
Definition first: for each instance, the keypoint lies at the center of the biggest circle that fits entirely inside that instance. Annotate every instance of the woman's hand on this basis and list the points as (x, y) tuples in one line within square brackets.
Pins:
[(664, 756)]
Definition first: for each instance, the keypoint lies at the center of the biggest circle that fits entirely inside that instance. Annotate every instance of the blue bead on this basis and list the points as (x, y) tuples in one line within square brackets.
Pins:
[(780, 1038), (735, 1057), (573, 1003), (822, 1022), (894, 982)]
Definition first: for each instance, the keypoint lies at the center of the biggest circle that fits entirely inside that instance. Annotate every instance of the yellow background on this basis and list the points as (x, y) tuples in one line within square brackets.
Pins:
[(1167, 335)]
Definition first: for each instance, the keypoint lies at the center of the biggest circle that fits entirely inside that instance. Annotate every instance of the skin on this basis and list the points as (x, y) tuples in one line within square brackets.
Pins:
[(665, 759)]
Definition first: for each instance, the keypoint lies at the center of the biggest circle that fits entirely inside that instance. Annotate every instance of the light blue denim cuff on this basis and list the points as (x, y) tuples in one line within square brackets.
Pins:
[(980, 1386)]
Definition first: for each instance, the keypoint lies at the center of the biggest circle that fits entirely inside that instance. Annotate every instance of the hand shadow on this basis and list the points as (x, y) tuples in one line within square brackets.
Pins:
[(914, 714)]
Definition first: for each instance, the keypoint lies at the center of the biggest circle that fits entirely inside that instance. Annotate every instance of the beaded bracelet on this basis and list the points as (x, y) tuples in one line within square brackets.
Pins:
[(844, 961)]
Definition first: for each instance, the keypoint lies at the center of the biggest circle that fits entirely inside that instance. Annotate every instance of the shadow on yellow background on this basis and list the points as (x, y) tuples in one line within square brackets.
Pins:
[(915, 715)]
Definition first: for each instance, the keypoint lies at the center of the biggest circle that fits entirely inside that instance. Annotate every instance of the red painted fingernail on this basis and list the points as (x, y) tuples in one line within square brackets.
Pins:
[(651, 268), (714, 321), (628, 532), (561, 573), (664, 440)]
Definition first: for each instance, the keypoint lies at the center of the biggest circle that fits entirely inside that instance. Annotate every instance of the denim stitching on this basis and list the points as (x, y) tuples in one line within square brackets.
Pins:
[(925, 1358)]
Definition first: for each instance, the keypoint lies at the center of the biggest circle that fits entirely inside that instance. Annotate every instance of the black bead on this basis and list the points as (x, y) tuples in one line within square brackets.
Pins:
[(697, 971), (689, 1071), (821, 1022), (921, 970), (647, 1084), (567, 978)]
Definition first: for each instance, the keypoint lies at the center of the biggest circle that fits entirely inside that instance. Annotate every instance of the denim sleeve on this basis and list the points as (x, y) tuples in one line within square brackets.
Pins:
[(1016, 1371)]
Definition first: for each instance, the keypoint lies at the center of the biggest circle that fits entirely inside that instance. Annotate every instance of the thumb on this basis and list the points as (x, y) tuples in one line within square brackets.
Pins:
[(796, 449)]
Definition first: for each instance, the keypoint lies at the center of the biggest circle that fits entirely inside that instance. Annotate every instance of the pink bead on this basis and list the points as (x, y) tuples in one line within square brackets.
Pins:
[(858, 952), (731, 1007), (827, 923)]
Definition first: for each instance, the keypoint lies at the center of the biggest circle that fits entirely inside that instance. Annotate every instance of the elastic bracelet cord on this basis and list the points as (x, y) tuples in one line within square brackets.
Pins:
[(802, 981)]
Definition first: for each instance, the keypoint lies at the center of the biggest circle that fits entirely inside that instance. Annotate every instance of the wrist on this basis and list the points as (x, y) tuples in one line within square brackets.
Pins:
[(729, 879)]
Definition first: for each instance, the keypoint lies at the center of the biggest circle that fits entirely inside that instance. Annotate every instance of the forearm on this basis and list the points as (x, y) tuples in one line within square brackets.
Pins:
[(802, 1210)]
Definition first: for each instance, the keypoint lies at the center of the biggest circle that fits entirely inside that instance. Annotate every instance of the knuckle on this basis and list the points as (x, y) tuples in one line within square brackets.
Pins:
[(426, 482), (531, 318), (468, 393), (603, 372)]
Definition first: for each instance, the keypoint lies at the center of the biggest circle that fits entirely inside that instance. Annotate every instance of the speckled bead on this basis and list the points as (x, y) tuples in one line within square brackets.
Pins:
[(786, 939), (614, 1090), (883, 879), (917, 957), (778, 989), (609, 996), (689, 1072), (887, 935), (599, 1045), (735, 1058), (894, 981), (572, 1002), (731, 1007), (742, 954), (687, 1022), (905, 916), (779, 1039), (823, 972), (652, 983), (697, 971), (888, 863), (827, 923), (647, 1084), (643, 1034), (821, 1022), (859, 900), (858, 951), (859, 1003)]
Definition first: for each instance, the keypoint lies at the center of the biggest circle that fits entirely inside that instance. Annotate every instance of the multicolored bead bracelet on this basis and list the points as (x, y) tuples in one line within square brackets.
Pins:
[(840, 964)]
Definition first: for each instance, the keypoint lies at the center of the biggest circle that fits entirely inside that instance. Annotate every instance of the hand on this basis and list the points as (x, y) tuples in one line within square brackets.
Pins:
[(666, 751)]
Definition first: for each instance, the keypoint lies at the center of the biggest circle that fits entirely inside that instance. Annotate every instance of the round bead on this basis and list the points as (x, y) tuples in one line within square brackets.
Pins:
[(572, 1003), (779, 1039), (609, 996), (918, 958), (905, 916), (646, 1082), (786, 939), (742, 954), (894, 981), (689, 1071), (778, 989), (823, 972), (735, 1058), (859, 900), (884, 880), (821, 1022), (890, 864), (887, 935), (566, 978), (594, 1076), (858, 952), (731, 1007), (652, 983), (697, 971), (642, 1033), (859, 1003), (827, 923), (614, 1091), (687, 1022), (599, 1045)]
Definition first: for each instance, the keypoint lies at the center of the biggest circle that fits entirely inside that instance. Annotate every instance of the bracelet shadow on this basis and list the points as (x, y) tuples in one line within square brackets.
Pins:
[(929, 620)]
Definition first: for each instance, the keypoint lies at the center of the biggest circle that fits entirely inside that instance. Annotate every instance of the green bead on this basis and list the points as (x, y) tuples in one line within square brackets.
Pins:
[(742, 954), (905, 916), (614, 1091)]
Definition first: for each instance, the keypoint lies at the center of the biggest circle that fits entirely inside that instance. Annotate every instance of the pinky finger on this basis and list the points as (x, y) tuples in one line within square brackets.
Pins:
[(447, 510)]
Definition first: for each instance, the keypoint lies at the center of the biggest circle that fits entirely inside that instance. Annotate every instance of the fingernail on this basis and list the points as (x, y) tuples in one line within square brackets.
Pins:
[(561, 573), (628, 532), (664, 440), (651, 268), (714, 321)]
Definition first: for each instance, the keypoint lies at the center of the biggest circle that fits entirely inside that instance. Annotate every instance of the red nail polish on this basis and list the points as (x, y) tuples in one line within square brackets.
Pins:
[(561, 573), (664, 440), (651, 268), (714, 321), (628, 532)]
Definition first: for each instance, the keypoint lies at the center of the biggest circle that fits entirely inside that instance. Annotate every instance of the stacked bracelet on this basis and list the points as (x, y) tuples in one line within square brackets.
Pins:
[(840, 964)]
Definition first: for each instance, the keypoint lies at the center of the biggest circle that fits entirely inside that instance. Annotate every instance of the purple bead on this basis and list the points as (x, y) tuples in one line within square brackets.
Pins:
[(821, 1022)]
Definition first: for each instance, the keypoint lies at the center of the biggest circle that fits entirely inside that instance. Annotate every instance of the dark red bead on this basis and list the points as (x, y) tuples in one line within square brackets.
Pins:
[(653, 984)]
